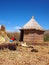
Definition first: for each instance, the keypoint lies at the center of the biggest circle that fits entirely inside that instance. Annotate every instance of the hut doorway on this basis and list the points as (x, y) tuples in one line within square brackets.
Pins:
[(21, 35)]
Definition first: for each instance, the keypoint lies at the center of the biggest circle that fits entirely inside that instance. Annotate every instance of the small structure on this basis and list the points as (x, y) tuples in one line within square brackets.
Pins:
[(2, 28), (31, 32)]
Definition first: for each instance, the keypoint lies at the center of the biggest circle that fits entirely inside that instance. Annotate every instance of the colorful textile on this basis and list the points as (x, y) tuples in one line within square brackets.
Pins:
[(11, 40)]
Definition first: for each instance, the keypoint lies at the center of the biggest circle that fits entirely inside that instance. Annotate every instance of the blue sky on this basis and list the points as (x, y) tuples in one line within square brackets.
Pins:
[(15, 13)]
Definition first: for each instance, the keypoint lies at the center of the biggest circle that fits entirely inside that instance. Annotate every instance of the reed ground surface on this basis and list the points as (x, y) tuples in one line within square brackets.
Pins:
[(24, 56)]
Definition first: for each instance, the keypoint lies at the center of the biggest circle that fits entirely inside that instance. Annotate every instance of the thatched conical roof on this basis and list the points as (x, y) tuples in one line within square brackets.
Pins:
[(32, 24)]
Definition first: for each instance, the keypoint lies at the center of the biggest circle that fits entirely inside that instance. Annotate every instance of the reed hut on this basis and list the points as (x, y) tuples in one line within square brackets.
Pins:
[(31, 32)]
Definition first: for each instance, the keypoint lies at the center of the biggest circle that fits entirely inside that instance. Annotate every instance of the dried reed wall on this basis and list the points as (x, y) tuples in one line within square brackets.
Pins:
[(33, 36)]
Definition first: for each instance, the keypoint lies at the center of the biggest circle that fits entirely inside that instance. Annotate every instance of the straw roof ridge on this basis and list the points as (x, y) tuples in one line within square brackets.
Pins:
[(32, 24)]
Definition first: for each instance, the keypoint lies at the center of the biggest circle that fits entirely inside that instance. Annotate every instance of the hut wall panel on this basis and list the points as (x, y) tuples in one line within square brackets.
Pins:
[(38, 37), (33, 36)]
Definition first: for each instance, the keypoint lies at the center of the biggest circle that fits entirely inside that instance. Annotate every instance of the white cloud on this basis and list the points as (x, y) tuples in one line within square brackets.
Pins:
[(9, 31), (14, 29), (17, 27), (0, 26)]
